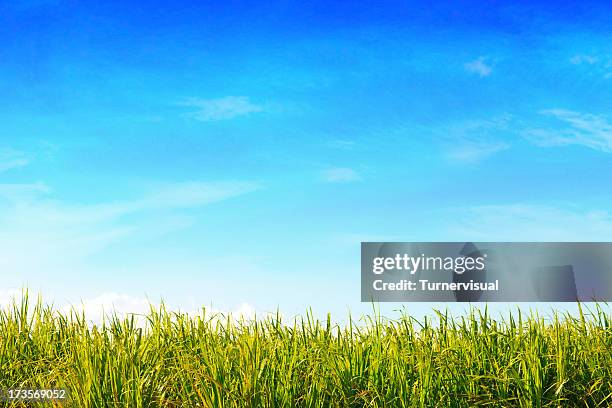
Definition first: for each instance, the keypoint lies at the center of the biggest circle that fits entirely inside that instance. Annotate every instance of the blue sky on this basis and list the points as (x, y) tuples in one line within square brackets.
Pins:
[(237, 153)]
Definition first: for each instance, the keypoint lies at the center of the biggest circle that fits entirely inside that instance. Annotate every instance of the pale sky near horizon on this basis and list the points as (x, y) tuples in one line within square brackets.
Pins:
[(236, 154)]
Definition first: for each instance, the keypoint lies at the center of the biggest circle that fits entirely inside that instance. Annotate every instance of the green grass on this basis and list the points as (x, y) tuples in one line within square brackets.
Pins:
[(212, 361)]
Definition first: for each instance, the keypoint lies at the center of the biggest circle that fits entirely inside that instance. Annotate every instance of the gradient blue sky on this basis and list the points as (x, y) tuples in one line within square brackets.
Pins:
[(232, 152)]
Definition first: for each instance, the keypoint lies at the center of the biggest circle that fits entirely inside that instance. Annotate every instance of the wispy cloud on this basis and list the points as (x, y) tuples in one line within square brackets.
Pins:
[(21, 191), (525, 222), (191, 194), (39, 232), (584, 59), (479, 66), (472, 141), (597, 64), (11, 159), (574, 128), (229, 107), (341, 144), (340, 175), (476, 152)]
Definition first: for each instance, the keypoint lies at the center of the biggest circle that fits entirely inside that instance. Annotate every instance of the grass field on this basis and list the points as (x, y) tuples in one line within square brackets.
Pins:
[(214, 361)]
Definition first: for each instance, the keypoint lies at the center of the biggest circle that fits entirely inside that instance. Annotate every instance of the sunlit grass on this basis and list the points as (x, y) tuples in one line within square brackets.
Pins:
[(176, 360)]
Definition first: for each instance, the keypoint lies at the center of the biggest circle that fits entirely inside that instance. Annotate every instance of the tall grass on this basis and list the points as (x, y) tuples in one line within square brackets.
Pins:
[(215, 361)]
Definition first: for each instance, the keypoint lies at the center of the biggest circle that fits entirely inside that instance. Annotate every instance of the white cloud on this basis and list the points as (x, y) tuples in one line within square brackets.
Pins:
[(341, 144), (20, 191), (12, 159), (596, 64), (479, 66), (475, 152), (208, 110), (41, 234), (471, 141), (111, 303), (593, 131), (525, 222), (123, 305), (584, 59), (193, 194), (244, 310), (340, 175)]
